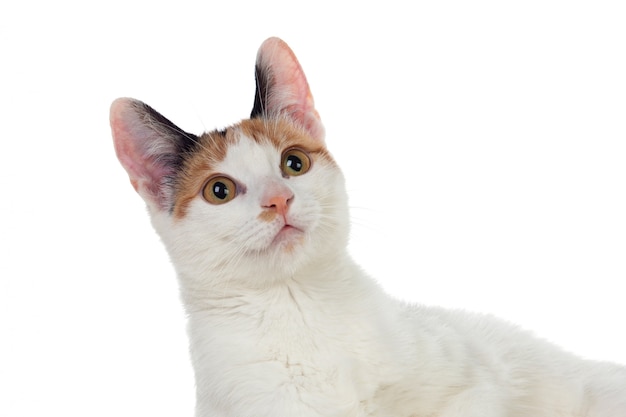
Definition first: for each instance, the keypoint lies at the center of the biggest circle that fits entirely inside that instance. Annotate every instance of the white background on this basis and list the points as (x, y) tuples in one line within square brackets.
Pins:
[(484, 145)]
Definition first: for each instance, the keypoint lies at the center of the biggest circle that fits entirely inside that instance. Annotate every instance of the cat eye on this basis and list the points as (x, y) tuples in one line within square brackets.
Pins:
[(219, 190), (295, 162)]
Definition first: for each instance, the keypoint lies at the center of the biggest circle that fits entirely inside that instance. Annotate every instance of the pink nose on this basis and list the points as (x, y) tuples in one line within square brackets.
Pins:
[(277, 198), (280, 203)]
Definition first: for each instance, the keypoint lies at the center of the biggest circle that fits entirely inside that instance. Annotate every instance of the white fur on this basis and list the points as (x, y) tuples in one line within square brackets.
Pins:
[(304, 332), (283, 323)]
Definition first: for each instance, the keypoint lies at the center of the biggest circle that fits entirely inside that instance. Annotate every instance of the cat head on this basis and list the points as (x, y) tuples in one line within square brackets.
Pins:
[(262, 200)]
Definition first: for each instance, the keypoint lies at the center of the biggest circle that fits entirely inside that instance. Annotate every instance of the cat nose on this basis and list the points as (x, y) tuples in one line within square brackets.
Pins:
[(278, 200), (280, 203)]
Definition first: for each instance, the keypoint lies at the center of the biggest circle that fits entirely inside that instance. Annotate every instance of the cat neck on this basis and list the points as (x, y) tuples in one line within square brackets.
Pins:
[(212, 291)]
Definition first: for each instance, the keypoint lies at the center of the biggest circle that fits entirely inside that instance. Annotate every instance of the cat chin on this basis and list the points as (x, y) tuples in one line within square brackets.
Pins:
[(212, 268)]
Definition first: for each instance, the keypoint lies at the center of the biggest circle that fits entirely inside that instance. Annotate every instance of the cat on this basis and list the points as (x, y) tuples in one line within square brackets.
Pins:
[(281, 320)]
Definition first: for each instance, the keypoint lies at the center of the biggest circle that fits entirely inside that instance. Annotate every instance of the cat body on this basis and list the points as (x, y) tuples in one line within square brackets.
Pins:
[(282, 322)]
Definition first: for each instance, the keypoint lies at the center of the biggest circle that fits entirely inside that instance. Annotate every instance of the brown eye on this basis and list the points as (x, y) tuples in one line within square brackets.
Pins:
[(219, 190), (295, 162)]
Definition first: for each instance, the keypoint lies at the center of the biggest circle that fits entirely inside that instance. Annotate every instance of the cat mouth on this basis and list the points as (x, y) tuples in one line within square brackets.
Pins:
[(288, 235)]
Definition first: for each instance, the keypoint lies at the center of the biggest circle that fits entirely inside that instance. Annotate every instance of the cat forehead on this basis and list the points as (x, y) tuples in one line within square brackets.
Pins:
[(248, 153), (278, 133)]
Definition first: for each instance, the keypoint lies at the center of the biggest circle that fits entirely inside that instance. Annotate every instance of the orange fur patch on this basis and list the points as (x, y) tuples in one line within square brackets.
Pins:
[(213, 147), (267, 215)]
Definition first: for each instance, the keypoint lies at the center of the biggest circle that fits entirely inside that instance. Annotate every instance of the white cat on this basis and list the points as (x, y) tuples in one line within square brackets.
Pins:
[(282, 322)]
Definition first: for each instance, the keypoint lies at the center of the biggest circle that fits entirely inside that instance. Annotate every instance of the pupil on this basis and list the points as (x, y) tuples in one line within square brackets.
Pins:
[(294, 163), (220, 190)]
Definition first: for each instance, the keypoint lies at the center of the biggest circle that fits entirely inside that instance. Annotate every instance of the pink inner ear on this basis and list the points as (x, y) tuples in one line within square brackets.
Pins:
[(132, 139), (290, 93)]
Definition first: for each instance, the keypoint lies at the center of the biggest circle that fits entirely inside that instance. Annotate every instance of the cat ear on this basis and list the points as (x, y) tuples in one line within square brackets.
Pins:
[(282, 88), (150, 148)]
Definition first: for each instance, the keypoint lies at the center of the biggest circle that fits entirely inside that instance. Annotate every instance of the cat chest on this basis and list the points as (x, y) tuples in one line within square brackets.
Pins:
[(282, 350), (305, 340)]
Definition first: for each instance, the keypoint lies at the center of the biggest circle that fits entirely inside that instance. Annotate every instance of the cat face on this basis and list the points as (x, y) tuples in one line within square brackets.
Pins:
[(273, 202), (254, 202)]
